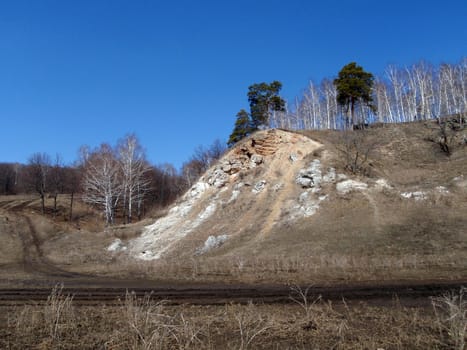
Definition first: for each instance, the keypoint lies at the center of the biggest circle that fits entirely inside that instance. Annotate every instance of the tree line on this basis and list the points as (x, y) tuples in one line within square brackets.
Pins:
[(419, 92), (402, 94), (118, 180)]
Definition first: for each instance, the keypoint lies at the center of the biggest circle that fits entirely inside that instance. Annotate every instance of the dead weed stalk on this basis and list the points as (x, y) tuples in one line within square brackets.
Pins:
[(451, 318), (250, 323), (59, 313)]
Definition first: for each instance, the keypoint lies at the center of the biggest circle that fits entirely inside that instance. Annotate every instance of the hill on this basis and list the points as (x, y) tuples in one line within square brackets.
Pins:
[(319, 206), (283, 205)]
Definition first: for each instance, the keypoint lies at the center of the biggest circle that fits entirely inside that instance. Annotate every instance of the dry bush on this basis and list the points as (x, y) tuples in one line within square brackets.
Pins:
[(451, 319), (188, 333), (300, 296), (355, 147), (50, 325), (142, 323), (149, 324), (448, 133), (250, 324), (145, 324)]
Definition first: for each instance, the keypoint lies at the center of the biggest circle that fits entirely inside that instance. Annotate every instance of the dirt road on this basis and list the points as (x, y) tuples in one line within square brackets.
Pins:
[(41, 275), (110, 291)]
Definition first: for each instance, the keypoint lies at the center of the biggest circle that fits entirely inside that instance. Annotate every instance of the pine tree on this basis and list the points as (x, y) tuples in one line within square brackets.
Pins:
[(354, 86), (242, 128), (264, 99)]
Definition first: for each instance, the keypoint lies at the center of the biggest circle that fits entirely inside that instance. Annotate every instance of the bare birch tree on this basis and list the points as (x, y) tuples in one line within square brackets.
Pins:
[(102, 181), (134, 168)]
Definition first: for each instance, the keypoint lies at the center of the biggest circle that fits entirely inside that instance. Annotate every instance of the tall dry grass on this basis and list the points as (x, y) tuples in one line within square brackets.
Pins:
[(451, 319), (306, 323)]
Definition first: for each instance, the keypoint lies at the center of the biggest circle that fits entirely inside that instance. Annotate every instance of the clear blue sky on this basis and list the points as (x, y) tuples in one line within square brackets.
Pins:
[(76, 72)]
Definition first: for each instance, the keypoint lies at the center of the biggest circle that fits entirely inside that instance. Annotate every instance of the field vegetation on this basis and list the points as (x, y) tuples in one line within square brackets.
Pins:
[(145, 323)]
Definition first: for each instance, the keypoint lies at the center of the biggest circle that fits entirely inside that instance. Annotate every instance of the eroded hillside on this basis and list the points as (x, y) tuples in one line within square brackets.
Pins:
[(283, 202)]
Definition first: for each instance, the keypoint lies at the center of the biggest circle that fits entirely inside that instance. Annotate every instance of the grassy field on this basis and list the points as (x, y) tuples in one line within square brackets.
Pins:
[(303, 324)]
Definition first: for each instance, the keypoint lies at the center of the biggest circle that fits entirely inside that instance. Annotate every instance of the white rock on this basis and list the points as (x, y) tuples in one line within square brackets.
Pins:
[(330, 176), (304, 197), (305, 182), (208, 211), (310, 210), (256, 159), (442, 190), (350, 185), (197, 189), (234, 196), (226, 167), (293, 157), (218, 178), (382, 184), (418, 195), (310, 176), (212, 242), (259, 186), (278, 186), (239, 185), (116, 246)]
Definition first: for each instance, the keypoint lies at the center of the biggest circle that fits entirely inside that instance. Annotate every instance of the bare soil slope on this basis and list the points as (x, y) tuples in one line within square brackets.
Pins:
[(282, 207)]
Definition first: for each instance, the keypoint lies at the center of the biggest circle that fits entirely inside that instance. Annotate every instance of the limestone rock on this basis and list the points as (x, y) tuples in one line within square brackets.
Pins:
[(116, 246), (212, 242), (310, 176), (259, 186), (350, 185)]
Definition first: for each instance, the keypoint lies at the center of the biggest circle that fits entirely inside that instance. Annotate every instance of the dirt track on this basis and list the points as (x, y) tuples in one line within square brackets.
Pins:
[(33, 258), (88, 289), (414, 294)]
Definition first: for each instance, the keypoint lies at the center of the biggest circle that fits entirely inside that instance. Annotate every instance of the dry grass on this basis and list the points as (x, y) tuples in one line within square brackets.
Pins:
[(150, 324), (451, 319)]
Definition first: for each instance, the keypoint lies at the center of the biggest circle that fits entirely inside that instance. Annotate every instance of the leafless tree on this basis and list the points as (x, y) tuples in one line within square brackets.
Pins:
[(417, 92), (9, 178), (72, 184), (201, 160), (38, 169), (56, 180), (102, 183), (134, 167), (356, 147)]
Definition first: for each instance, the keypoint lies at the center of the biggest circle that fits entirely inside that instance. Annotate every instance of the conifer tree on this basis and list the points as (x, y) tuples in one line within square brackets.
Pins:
[(242, 128), (354, 86), (264, 99)]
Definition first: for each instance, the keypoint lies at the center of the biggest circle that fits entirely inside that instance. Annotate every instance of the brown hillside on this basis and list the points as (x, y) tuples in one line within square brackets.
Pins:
[(256, 218), (283, 206)]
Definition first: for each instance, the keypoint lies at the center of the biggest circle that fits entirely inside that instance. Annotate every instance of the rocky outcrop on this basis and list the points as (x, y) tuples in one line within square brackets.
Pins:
[(258, 171), (312, 176), (246, 156)]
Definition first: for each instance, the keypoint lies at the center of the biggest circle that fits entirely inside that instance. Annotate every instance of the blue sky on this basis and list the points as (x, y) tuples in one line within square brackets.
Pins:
[(175, 73)]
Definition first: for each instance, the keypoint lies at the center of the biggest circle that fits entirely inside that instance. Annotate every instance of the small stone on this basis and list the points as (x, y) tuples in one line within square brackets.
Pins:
[(304, 182), (293, 157), (259, 186), (226, 168), (256, 159)]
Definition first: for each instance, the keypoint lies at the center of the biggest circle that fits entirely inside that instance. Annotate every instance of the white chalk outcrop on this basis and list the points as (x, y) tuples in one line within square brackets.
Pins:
[(159, 237), (267, 180)]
